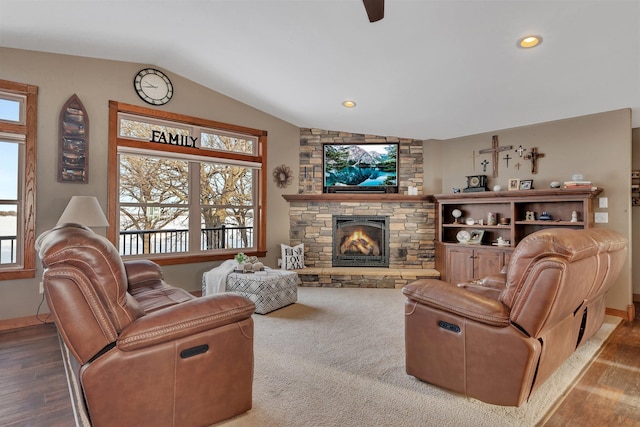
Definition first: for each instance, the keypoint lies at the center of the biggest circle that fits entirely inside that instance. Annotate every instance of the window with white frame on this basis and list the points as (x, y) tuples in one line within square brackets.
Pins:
[(186, 187), (17, 179)]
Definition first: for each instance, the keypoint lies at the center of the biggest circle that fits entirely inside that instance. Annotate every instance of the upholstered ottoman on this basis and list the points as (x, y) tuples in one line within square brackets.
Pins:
[(269, 290)]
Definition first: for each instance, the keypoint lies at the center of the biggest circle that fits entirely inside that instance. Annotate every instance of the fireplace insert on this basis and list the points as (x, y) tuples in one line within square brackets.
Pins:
[(360, 241)]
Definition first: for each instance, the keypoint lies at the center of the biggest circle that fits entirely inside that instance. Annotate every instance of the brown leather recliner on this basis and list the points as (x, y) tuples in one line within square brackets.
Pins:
[(142, 352), (498, 339)]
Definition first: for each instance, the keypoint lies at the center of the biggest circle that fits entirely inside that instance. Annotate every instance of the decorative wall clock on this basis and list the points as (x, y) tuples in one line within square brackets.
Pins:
[(283, 176), (153, 86)]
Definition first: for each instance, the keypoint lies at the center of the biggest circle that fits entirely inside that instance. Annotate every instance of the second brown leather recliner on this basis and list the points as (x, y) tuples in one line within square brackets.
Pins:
[(498, 340)]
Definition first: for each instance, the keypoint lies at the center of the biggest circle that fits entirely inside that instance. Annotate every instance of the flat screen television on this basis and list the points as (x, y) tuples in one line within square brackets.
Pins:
[(360, 167)]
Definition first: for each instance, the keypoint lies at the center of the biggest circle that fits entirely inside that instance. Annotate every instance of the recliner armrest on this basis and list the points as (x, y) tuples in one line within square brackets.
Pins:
[(142, 272), (496, 281), (181, 320), (480, 289), (490, 286), (458, 300)]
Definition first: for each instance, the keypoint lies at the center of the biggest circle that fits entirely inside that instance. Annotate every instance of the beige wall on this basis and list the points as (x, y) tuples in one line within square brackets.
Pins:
[(635, 218), (96, 82), (597, 146)]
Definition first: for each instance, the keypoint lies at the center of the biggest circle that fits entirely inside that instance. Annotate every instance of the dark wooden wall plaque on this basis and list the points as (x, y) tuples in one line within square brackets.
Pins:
[(73, 160)]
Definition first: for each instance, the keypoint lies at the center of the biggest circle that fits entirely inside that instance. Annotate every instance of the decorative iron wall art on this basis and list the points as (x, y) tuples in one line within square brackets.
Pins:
[(73, 158)]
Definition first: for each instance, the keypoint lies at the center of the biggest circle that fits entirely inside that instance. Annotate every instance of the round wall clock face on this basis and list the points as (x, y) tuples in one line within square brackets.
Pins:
[(463, 236), (153, 86), (474, 181)]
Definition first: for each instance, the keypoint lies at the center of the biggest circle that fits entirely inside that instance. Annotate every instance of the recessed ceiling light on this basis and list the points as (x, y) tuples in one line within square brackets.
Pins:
[(349, 104), (530, 41)]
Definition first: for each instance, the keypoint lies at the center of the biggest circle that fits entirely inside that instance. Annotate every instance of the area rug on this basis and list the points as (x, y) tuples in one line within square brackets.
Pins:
[(336, 358)]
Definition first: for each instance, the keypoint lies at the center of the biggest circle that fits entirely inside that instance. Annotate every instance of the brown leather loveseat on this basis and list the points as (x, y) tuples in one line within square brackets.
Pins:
[(140, 352), (498, 339)]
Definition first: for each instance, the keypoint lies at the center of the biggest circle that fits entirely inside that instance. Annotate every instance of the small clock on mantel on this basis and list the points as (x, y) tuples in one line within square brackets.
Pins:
[(476, 183)]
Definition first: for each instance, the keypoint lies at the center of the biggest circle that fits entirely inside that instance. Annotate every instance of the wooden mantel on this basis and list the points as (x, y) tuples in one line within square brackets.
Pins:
[(357, 197)]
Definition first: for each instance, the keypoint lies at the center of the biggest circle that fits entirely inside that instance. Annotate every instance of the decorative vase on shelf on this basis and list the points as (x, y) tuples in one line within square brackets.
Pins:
[(545, 217)]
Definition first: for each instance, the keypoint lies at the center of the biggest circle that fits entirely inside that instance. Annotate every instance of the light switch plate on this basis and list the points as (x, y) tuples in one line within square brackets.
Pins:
[(603, 202), (602, 217)]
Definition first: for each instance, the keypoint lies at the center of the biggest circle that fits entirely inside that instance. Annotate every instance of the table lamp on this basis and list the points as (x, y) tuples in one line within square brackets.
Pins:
[(84, 210)]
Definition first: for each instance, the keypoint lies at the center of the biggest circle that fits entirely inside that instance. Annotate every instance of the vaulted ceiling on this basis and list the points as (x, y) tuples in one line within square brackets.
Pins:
[(430, 69)]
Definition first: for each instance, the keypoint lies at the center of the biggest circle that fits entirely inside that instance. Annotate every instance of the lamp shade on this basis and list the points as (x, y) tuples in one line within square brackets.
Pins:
[(84, 210)]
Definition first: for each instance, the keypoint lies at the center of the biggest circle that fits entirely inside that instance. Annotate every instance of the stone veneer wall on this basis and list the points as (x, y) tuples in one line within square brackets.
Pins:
[(410, 154), (412, 227), (411, 230)]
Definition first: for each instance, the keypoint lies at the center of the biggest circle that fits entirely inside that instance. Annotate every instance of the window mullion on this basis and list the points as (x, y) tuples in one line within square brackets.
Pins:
[(195, 236)]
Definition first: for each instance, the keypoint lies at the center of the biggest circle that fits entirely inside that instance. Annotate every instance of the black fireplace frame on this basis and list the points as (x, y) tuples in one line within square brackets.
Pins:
[(380, 222)]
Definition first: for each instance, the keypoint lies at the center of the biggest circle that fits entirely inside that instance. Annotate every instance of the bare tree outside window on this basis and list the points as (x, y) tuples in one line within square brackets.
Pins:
[(226, 193), (155, 195)]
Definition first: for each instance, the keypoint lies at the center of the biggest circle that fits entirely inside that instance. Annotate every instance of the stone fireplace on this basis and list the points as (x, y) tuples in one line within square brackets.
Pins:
[(411, 227), (360, 241), (408, 241)]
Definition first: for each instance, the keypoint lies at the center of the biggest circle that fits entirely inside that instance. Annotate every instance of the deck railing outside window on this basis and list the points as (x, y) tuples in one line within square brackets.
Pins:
[(8, 249), (138, 242)]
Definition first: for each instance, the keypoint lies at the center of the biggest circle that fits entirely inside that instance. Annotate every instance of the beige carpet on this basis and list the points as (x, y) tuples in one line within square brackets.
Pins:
[(336, 358)]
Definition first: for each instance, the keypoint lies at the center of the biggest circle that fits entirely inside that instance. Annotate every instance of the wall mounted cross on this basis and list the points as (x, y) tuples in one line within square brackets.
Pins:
[(495, 150), (534, 156), (484, 164), (520, 150), (507, 158)]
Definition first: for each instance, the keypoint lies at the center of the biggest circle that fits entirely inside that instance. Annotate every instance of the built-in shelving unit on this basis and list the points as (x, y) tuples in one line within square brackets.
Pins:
[(458, 261)]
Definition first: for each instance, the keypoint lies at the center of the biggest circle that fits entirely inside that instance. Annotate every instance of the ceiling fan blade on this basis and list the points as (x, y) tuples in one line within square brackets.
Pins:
[(375, 9)]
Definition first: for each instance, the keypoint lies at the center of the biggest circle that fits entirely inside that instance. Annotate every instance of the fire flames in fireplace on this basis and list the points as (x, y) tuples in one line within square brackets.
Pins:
[(359, 243)]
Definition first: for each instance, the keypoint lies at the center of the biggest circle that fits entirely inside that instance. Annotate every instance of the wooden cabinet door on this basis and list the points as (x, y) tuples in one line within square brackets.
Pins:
[(460, 265), (487, 263), (507, 258)]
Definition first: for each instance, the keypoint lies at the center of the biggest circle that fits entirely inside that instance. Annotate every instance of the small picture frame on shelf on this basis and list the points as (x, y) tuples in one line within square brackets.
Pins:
[(476, 237), (635, 174), (526, 184), (514, 184)]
